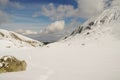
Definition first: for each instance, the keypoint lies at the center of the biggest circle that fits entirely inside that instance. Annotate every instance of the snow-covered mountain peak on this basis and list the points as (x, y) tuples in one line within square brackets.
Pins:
[(103, 27), (108, 16), (12, 39)]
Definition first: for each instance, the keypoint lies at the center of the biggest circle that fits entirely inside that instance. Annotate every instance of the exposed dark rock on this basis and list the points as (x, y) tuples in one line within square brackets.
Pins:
[(91, 23), (80, 29), (2, 34), (88, 33), (88, 28), (102, 21), (46, 43)]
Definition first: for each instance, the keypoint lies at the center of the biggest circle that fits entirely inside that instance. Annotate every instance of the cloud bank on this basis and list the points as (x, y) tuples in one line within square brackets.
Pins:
[(54, 27), (89, 8), (52, 32), (4, 2), (4, 17), (26, 32), (56, 13), (85, 9)]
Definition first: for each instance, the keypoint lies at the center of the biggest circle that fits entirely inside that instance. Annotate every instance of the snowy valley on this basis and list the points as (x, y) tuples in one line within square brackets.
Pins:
[(91, 52)]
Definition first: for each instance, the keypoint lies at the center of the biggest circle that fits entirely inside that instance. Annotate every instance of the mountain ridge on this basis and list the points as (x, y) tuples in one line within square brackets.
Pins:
[(18, 40), (108, 16)]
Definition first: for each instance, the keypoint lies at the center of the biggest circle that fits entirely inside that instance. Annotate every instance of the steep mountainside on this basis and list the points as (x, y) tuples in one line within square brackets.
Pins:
[(106, 22), (10, 39)]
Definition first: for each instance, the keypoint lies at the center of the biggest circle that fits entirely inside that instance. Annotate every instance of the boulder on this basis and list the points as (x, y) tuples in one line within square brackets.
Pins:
[(11, 64)]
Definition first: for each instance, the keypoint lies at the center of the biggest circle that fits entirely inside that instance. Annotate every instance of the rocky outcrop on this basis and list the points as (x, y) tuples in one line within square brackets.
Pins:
[(108, 16), (11, 64)]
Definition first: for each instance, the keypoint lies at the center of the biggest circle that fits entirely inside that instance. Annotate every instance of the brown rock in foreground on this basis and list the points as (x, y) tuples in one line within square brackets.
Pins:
[(11, 64)]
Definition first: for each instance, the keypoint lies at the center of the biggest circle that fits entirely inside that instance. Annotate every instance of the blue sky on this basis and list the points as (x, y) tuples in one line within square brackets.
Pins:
[(19, 15), (30, 7), (65, 2), (36, 16)]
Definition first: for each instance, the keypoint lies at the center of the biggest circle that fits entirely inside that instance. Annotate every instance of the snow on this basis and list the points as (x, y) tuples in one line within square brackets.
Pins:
[(108, 16), (94, 56), (1, 65), (7, 57), (58, 61), (12, 39), (80, 57)]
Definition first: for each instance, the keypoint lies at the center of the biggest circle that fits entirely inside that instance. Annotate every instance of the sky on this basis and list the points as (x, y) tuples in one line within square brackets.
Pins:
[(48, 20)]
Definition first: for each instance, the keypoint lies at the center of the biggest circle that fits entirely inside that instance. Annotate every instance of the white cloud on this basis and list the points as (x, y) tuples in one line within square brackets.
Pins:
[(85, 9), (52, 32), (4, 2), (50, 29), (26, 32), (54, 27), (90, 8), (4, 17), (40, 36), (16, 5), (56, 13), (115, 2)]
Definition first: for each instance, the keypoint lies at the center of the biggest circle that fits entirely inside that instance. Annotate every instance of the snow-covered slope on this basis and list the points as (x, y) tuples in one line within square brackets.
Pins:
[(11, 39), (104, 27), (94, 54), (94, 61), (109, 16)]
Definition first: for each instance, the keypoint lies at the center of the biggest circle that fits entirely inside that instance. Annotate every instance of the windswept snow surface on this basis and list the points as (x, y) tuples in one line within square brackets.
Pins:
[(88, 58)]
